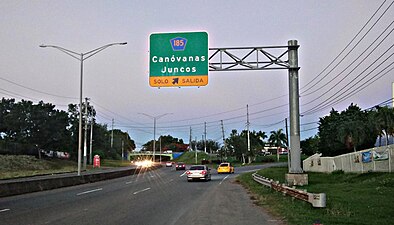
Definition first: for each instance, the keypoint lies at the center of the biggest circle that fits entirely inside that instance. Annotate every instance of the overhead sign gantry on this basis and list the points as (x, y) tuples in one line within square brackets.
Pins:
[(181, 59)]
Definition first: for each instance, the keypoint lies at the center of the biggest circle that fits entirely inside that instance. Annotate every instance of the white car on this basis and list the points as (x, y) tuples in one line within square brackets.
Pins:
[(168, 164), (198, 172)]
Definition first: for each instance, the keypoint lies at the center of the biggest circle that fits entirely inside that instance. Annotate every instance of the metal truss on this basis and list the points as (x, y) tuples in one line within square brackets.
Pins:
[(249, 58)]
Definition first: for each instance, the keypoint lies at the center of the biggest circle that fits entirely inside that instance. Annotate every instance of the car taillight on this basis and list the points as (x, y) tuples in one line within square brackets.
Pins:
[(203, 172), (188, 172)]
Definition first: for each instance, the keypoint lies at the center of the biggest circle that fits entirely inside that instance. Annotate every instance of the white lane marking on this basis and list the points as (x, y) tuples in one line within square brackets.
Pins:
[(129, 182), (223, 179), (183, 174), (137, 192), (4, 210), (87, 192)]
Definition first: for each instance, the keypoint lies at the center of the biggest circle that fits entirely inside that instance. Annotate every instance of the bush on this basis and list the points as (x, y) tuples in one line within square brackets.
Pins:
[(99, 152)]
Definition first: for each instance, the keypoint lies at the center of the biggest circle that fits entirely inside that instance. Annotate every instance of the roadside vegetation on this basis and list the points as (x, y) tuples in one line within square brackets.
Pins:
[(362, 199), (190, 157), (14, 166)]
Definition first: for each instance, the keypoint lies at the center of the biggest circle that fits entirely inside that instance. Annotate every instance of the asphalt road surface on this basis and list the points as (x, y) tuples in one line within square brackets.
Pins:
[(161, 196)]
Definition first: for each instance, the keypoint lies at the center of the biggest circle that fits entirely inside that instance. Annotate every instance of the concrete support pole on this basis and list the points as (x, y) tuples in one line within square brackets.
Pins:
[(295, 151), (85, 144)]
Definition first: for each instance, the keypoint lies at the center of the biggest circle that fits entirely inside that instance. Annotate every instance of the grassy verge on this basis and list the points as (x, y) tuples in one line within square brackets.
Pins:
[(190, 157), (351, 198), (114, 163), (13, 166)]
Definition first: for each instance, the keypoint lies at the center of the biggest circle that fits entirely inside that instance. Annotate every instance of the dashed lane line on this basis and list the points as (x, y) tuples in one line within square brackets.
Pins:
[(91, 191), (4, 210), (137, 192)]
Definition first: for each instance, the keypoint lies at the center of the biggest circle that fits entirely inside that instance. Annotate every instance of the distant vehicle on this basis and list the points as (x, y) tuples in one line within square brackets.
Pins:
[(169, 164), (180, 166), (55, 154), (198, 172), (225, 168)]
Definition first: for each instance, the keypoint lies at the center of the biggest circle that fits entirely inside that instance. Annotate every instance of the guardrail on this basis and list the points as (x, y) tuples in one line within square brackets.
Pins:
[(317, 200)]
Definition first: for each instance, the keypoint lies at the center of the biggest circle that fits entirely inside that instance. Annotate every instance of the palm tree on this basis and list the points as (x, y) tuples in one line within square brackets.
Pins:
[(278, 138)]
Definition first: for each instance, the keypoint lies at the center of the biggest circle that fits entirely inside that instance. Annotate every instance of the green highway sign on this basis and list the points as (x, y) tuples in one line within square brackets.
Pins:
[(178, 59)]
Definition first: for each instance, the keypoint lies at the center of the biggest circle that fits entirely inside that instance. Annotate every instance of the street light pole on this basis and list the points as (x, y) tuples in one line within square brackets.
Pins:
[(154, 129), (81, 57)]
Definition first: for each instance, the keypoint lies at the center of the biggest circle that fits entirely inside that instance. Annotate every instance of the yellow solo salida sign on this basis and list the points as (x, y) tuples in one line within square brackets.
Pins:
[(178, 59)]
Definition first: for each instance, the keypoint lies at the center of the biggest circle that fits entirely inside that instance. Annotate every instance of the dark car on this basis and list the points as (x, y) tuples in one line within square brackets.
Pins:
[(180, 166)]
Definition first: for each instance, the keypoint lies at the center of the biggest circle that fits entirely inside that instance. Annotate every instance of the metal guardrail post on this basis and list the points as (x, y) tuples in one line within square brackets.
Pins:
[(318, 200)]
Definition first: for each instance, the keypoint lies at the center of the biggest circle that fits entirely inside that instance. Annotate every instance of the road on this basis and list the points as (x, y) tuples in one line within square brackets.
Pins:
[(161, 196)]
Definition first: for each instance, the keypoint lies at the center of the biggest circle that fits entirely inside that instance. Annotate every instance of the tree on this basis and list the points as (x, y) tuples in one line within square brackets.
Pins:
[(167, 143), (310, 145), (6, 106), (278, 138), (236, 146), (345, 132)]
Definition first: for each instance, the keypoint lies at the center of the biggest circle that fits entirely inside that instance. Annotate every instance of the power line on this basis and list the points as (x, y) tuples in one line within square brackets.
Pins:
[(358, 89), (345, 49), (377, 60), (35, 90)]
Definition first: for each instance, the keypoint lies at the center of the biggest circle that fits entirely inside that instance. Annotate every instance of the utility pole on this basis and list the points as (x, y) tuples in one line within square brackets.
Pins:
[(195, 149), (160, 148), (247, 125), (112, 134), (91, 142), (85, 147), (190, 139), (154, 139), (224, 141), (205, 137), (122, 150)]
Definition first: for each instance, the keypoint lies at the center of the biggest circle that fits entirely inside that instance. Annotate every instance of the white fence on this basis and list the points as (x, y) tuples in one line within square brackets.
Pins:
[(379, 159)]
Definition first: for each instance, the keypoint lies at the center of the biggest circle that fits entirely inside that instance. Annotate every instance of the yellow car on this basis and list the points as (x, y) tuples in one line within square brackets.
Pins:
[(225, 168)]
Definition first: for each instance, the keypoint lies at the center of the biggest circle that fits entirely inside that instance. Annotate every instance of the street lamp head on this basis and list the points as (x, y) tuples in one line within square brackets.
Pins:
[(123, 43), (43, 46)]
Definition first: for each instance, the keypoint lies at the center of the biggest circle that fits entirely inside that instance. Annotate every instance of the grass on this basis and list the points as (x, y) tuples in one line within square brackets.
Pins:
[(351, 198), (114, 163), (190, 157), (13, 166)]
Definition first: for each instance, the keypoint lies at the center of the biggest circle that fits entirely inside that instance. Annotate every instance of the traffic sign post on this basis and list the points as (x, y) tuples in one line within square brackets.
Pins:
[(178, 59)]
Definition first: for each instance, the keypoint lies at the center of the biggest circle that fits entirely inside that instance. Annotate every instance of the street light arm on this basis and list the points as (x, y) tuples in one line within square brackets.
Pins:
[(165, 114), (155, 117), (68, 52), (147, 115), (97, 50)]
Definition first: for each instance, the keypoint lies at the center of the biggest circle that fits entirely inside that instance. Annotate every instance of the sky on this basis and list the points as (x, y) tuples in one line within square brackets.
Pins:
[(345, 56)]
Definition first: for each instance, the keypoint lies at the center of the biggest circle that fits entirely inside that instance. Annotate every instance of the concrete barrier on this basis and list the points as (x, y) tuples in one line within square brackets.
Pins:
[(23, 186)]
